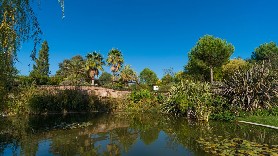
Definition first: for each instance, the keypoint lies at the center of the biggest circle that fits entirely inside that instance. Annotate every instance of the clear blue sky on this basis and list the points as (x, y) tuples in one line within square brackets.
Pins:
[(157, 34)]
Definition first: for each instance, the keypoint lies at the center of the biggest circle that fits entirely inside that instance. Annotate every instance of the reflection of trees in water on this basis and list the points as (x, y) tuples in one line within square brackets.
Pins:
[(150, 135), (116, 133), (72, 144), (126, 137)]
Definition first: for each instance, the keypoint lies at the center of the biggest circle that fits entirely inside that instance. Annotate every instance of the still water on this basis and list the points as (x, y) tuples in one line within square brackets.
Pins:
[(124, 134)]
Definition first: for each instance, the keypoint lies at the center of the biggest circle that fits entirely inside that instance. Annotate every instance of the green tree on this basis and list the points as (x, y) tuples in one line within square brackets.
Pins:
[(94, 63), (40, 70), (105, 78), (234, 65), (167, 79), (73, 71), (115, 60), (197, 70), (128, 74), (180, 76), (148, 77), (18, 24), (7, 79), (212, 52), (266, 52)]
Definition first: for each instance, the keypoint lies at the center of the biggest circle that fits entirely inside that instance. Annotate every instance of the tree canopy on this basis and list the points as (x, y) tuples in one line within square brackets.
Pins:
[(128, 74), (212, 52), (234, 65), (105, 78), (115, 60), (41, 67), (94, 63), (266, 52), (148, 77), (73, 71)]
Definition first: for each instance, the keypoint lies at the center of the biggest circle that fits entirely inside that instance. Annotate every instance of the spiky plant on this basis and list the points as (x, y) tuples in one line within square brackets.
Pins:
[(253, 88)]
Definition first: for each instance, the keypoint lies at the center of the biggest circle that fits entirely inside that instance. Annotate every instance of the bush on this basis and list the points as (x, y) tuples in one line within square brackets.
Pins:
[(193, 99), (136, 96), (64, 101), (144, 100), (252, 89), (223, 116), (37, 101), (221, 110)]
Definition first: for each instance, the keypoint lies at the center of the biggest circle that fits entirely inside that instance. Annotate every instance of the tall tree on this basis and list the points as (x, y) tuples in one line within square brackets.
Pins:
[(18, 24), (105, 78), (73, 71), (167, 79), (180, 76), (128, 74), (197, 70), (212, 52), (94, 63), (41, 66), (115, 60), (268, 52), (148, 77)]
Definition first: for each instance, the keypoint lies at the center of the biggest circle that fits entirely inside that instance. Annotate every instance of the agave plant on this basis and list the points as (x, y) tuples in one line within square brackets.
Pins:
[(252, 89)]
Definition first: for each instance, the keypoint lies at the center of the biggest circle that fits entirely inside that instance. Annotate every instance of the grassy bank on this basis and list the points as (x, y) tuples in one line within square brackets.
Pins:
[(266, 120)]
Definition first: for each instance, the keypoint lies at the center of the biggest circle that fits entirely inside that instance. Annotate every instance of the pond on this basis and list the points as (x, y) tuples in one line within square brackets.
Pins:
[(130, 134)]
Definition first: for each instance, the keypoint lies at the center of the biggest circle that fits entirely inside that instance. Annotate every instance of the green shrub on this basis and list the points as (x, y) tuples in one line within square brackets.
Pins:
[(223, 116), (252, 89), (136, 96), (144, 100), (61, 101), (36, 100), (193, 99), (221, 109), (55, 80)]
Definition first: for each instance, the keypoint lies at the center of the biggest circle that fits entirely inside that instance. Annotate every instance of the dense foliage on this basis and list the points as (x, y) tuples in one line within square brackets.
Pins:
[(148, 77), (94, 63), (211, 52), (73, 71), (115, 60), (105, 79), (191, 98), (40, 72), (33, 100), (266, 51), (233, 66), (128, 75), (252, 89), (144, 100)]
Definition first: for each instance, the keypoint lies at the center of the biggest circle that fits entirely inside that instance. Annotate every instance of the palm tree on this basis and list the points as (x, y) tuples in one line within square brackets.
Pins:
[(115, 60), (94, 63)]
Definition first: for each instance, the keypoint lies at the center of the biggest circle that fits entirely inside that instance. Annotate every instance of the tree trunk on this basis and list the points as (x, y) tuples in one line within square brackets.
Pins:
[(113, 78), (211, 75), (93, 82)]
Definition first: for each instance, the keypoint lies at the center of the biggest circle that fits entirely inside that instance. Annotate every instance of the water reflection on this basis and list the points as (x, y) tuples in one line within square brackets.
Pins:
[(117, 134)]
